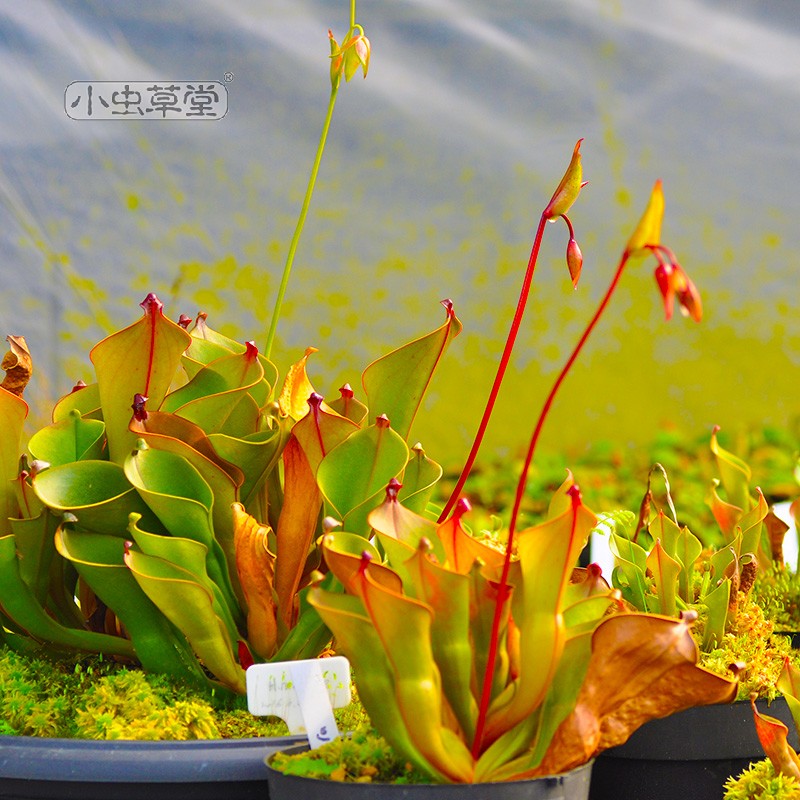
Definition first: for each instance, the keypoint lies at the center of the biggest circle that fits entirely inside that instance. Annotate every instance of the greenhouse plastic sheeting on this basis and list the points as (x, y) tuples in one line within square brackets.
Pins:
[(438, 166)]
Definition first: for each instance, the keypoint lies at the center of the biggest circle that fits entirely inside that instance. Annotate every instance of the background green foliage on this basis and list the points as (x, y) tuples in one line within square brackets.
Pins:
[(613, 475)]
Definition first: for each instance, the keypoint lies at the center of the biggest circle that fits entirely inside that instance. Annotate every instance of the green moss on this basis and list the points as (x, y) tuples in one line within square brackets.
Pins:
[(91, 698), (777, 591), (750, 639), (760, 782), (239, 723), (364, 757), (126, 706)]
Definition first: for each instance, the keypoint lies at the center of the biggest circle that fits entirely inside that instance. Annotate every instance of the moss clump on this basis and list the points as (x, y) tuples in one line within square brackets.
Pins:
[(35, 702), (777, 591), (126, 706), (239, 723), (91, 698), (363, 757), (760, 782), (750, 639)]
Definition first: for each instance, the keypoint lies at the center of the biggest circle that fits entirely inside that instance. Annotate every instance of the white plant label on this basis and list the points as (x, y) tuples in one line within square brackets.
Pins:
[(302, 693)]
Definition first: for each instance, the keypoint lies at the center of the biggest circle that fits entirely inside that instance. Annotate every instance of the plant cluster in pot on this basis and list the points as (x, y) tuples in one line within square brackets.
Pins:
[(126, 532), (501, 665), (662, 566), (145, 524)]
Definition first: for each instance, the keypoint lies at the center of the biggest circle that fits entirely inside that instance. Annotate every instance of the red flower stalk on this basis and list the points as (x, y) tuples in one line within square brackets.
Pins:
[(564, 196), (646, 239)]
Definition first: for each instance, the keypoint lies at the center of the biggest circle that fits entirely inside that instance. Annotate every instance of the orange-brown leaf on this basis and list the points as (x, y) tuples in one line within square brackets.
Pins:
[(726, 515), (772, 734), (297, 525), (255, 565), (776, 531), (642, 667), (17, 365)]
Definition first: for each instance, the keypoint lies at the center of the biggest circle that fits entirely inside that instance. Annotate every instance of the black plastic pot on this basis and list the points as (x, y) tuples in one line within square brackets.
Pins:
[(71, 769), (793, 636), (688, 755), (572, 785)]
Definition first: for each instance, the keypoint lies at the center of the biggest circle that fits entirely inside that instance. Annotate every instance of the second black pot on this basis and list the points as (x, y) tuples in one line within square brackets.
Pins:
[(688, 755)]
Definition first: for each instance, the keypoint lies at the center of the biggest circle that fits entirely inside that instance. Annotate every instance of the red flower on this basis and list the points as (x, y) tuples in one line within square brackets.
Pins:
[(671, 279), (674, 282)]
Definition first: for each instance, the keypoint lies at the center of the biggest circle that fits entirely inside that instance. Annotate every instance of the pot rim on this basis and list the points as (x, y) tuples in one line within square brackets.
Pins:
[(299, 748), (133, 761)]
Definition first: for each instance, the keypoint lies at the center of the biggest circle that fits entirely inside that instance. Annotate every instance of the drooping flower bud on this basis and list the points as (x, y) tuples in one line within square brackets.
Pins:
[(672, 281), (688, 296), (662, 275), (574, 260), (354, 53), (357, 52)]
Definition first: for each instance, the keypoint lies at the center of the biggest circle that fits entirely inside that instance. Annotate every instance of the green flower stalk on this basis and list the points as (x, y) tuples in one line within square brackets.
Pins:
[(354, 53)]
